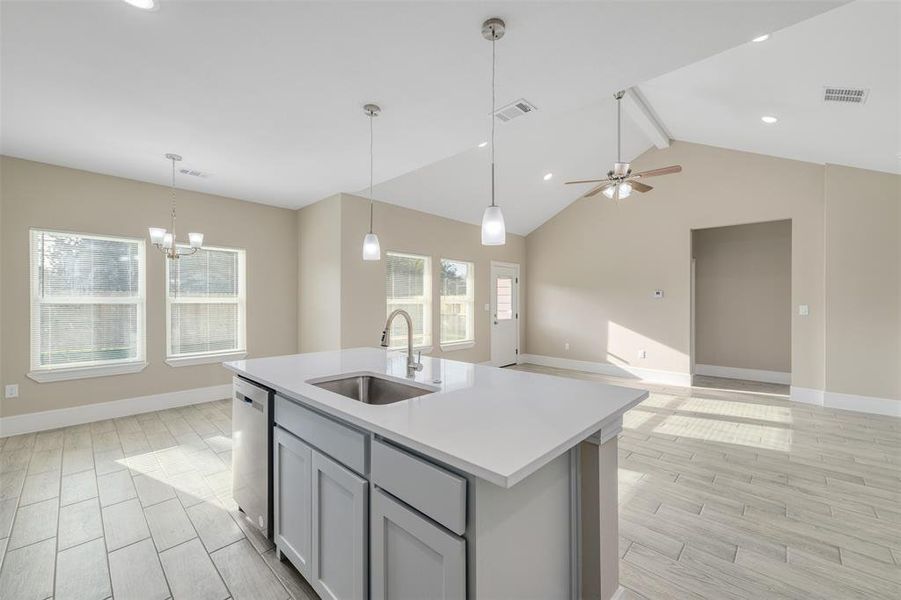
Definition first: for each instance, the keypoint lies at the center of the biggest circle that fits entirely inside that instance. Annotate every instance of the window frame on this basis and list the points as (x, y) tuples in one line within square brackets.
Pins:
[(426, 303), (200, 358), (470, 340), (85, 370)]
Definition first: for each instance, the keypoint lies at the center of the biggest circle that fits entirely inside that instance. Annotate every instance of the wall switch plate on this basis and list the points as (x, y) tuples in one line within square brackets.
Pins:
[(658, 294), (12, 391), (642, 354), (566, 346), (803, 310)]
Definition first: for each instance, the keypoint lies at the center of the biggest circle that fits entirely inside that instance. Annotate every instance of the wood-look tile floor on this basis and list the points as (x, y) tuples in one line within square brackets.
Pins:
[(133, 508), (729, 491)]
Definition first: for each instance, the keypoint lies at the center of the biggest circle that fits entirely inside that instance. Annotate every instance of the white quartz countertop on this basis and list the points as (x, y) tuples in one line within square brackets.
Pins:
[(498, 424)]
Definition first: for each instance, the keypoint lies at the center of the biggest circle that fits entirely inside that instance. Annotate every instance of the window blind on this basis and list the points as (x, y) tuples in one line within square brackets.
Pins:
[(88, 300), (408, 287), (205, 302), (457, 302)]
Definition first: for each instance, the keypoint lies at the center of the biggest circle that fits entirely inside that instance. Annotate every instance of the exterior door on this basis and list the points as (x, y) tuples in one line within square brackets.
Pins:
[(340, 532), (411, 557), (293, 505), (504, 313)]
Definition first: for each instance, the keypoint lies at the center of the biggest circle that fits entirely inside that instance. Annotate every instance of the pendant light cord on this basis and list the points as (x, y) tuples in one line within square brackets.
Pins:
[(493, 60), (370, 171)]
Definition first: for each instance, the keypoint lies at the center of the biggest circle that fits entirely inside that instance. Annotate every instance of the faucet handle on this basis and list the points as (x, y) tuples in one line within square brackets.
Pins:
[(418, 365)]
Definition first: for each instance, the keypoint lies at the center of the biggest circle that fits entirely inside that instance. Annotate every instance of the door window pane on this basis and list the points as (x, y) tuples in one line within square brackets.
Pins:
[(504, 298)]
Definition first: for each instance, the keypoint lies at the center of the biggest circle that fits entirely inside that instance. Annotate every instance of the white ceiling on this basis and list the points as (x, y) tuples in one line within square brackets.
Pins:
[(719, 101), (266, 96)]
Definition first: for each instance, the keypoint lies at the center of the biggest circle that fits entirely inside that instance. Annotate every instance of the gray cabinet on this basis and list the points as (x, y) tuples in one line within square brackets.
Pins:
[(339, 517), (411, 557), (292, 490)]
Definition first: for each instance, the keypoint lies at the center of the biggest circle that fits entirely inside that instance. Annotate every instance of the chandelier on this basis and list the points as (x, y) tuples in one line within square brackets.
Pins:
[(166, 241)]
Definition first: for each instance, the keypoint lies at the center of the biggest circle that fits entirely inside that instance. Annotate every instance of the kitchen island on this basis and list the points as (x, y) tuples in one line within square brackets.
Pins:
[(460, 481)]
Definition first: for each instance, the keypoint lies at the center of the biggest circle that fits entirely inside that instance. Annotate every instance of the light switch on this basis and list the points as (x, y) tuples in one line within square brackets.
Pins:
[(658, 294), (642, 354), (803, 310), (12, 391)]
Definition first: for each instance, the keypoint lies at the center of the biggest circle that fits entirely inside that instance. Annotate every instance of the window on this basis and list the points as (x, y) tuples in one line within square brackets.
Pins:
[(408, 286), (87, 305), (205, 306), (457, 302), (504, 298)]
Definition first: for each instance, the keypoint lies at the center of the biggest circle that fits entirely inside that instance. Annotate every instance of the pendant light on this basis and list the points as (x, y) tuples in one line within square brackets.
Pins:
[(494, 231), (165, 241), (371, 248)]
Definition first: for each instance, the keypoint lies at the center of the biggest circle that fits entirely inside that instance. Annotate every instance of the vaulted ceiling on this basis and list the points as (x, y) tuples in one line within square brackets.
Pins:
[(266, 97)]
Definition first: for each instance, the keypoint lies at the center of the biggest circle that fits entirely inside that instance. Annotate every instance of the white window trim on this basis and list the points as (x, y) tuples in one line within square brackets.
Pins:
[(189, 360), (49, 375), (428, 299), (452, 346), (471, 294), (87, 371), (199, 358)]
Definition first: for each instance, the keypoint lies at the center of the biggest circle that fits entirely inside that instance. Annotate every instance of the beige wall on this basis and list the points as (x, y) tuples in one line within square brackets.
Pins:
[(319, 264), (593, 267), (362, 285), (863, 274), (39, 195), (743, 296)]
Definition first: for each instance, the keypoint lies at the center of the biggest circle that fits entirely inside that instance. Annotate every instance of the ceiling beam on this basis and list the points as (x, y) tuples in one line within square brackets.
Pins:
[(641, 113)]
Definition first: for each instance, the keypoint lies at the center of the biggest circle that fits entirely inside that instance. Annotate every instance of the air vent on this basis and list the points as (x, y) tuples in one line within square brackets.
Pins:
[(194, 173), (516, 109), (846, 95)]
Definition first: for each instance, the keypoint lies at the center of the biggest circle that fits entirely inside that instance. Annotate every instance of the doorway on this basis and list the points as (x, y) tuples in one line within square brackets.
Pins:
[(504, 313), (741, 307)]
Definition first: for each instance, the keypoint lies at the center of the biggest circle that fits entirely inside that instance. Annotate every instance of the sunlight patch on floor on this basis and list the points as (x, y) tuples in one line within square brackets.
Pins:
[(727, 432)]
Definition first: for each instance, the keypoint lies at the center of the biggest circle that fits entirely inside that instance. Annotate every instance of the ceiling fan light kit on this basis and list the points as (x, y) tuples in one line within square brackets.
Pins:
[(621, 181), (494, 230)]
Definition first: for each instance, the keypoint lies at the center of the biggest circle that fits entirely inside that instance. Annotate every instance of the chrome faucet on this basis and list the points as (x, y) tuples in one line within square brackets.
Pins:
[(413, 365)]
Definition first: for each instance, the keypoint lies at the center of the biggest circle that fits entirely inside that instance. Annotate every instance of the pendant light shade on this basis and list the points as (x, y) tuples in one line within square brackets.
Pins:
[(494, 232), (371, 248)]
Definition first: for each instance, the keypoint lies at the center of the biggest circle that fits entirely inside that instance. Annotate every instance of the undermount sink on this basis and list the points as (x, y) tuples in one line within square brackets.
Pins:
[(370, 389)]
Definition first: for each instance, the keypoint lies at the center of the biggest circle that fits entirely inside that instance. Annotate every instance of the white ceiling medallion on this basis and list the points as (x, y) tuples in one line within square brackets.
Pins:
[(371, 248), (494, 231), (166, 241)]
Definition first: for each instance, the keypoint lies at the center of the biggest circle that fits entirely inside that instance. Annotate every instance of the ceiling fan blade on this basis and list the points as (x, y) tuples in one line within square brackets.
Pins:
[(596, 190), (584, 181), (640, 187), (661, 171)]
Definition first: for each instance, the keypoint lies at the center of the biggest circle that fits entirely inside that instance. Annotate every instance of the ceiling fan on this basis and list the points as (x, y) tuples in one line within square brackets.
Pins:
[(621, 181)]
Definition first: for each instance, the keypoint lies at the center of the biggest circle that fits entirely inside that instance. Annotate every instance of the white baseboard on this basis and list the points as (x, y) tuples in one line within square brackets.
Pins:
[(807, 395), (626, 371), (65, 417), (747, 374), (866, 404)]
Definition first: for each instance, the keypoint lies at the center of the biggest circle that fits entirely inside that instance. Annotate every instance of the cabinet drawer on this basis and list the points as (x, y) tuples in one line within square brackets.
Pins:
[(346, 445), (428, 488)]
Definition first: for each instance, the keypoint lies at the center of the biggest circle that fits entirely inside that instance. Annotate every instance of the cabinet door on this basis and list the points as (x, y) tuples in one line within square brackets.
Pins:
[(292, 467), (340, 537), (411, 557)]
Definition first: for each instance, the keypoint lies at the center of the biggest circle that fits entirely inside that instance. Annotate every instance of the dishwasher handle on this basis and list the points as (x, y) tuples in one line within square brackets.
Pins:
[(256, 405)]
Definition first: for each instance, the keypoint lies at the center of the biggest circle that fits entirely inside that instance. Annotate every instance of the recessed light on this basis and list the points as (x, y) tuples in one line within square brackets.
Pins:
[(768, 119), (547, 176), (144, 4), (483, 144), (758, 39)]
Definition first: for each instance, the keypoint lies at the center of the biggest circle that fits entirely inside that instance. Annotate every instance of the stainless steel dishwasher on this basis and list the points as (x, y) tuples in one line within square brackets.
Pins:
[(252, 452)]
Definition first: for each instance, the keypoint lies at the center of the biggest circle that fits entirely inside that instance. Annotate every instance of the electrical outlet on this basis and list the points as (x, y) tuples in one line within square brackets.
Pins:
[(803, 310), (642, 354), (12, 391)]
